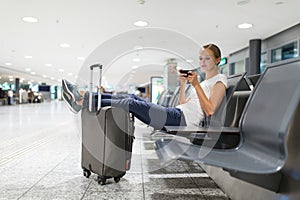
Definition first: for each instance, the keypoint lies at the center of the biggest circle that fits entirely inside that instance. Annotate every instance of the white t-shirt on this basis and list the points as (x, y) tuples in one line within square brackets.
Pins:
[(192, 110)]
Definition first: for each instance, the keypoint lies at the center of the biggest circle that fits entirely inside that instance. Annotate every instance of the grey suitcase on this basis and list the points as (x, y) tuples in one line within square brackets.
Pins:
[(107, 138)]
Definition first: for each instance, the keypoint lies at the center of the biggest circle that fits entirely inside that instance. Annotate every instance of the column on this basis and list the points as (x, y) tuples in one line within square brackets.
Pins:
[(254, 57), (170, 75)]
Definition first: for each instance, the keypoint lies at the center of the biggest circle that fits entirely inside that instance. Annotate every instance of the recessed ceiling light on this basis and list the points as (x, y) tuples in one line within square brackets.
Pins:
[(64, 45), (11, 79), (135, 67), (30, 19), (244, 25), (28, 69), (61, 70), (189, 60), (70, 74), (243, 2), (140, 23), (8, 64), (28, 57), (136, 60), (48, 65), (80, 58), (33, 73), (44, 76), (52, 78)]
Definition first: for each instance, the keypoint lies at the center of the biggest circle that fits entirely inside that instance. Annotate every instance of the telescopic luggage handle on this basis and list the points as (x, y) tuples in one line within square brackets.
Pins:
[(98, 88)]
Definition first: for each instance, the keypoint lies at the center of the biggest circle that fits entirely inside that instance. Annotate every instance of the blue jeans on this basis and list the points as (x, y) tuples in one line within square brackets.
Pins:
[(152, 114)]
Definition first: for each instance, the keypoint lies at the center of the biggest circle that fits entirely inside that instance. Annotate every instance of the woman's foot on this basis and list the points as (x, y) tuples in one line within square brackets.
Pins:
[(71, 91)]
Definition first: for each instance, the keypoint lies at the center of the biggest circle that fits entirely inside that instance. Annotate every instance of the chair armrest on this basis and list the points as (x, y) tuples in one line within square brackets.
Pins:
[(187, 130)]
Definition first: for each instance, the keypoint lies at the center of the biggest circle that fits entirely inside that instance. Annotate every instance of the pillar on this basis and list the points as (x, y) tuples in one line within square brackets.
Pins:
[(254, 57), (170, 75)]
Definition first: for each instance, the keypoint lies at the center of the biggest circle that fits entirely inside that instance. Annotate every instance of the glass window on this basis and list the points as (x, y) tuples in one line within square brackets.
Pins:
[(263, 61), (289, 51), (276, 55), (239, 67), (285, 52), (224, 70)]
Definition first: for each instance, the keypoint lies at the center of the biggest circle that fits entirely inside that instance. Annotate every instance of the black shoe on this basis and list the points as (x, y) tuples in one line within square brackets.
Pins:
[(73, 106), (71, 91)]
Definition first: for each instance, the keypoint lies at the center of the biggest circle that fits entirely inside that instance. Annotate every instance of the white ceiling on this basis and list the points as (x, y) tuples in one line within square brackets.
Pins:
[(102, 31)]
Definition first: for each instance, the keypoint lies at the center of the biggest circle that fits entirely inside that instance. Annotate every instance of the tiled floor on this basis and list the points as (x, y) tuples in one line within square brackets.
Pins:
[(40, 159)]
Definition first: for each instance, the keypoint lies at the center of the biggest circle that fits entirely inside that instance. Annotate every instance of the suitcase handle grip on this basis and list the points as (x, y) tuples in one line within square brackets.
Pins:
[(91, 87), (95, 66)]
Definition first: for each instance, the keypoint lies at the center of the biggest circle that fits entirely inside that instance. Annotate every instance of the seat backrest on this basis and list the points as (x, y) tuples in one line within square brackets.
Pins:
[(161, 97), (235, 82), (270, 108), (235, 108), (174, 97), (254, 79), (188, 90), (167, 98)]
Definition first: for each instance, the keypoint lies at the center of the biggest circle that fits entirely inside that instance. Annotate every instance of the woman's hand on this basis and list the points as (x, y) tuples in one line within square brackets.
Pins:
[(192, 78), (182, 79)]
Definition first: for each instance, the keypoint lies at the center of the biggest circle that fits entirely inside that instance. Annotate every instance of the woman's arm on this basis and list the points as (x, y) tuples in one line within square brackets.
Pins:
[(208, 105), (182, 99)]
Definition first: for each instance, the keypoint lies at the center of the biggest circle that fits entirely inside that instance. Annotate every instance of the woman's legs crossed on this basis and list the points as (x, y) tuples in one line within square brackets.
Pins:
[(149, 113), (85, 100), (119, 96)]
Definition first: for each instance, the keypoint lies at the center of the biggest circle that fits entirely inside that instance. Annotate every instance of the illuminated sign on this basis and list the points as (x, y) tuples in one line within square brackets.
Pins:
[(223, 62)]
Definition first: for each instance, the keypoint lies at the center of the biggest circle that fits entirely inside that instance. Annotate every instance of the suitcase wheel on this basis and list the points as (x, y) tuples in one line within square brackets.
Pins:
[(117, 179), (86, 173), (101, 180)]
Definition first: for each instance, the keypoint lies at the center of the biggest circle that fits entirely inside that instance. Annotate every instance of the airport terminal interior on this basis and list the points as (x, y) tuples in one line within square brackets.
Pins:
[(248, 149)]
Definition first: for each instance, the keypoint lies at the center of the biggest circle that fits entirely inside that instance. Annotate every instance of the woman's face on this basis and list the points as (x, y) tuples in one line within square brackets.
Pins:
[(207, 60)]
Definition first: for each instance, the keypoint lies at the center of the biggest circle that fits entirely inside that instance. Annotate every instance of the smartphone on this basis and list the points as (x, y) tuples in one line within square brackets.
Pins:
[(185, 72)]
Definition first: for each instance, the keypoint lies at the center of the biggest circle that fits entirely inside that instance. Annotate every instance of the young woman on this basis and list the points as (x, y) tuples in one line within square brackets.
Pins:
[(205, 96)]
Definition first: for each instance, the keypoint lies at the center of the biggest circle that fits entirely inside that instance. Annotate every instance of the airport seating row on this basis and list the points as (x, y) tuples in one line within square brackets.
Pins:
[(254, 134), (235, 83)]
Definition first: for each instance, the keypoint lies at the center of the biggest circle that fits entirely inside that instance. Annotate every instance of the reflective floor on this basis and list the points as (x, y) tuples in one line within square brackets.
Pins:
[(40, 149)]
